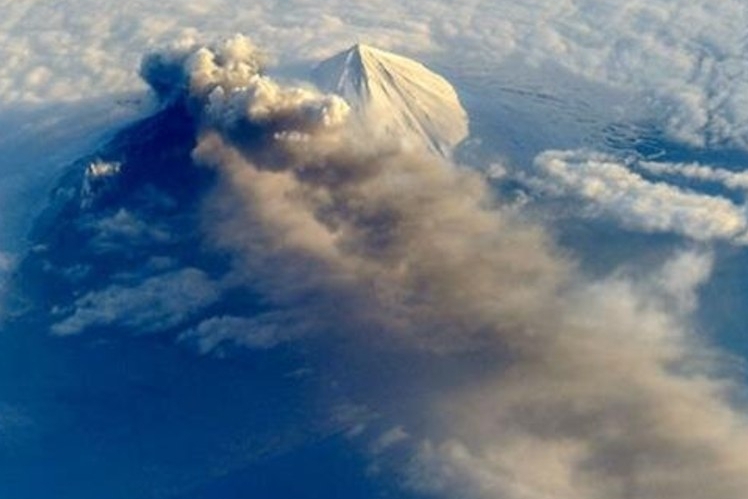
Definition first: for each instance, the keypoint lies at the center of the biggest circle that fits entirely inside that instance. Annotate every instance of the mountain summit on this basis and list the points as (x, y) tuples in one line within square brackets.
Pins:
[(400, 97)]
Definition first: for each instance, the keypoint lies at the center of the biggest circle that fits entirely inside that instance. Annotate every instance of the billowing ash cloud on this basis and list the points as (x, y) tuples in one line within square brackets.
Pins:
[(537, 383)]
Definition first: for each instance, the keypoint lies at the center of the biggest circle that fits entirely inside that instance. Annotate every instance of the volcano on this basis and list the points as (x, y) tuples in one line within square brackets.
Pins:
[(401, 98)]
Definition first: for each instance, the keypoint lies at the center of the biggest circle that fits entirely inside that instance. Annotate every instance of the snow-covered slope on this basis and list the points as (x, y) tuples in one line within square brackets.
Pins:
[(398, 97)]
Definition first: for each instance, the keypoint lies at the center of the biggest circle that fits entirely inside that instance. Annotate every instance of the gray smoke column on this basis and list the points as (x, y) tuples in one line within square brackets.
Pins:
[(596, 390)]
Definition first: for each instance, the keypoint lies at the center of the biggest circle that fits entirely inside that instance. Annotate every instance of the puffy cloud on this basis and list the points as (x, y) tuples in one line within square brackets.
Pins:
[(156, 304), (611, 187), (539, 383)]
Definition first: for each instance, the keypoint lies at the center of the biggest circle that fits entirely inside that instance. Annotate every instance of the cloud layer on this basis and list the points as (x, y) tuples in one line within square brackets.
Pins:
[(685, 60)]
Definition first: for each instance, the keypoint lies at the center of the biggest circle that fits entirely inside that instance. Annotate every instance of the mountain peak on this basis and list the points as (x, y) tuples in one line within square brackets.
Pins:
[(362, 48), (398, 97), (363, 51)]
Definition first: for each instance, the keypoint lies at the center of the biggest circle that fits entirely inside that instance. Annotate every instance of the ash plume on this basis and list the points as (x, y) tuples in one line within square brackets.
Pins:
[(586, 389)]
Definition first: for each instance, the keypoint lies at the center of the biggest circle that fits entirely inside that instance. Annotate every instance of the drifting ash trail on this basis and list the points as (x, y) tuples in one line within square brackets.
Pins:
[(596, 389)]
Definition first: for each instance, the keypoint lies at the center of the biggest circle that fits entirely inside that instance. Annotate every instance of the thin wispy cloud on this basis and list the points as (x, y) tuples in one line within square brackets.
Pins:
[(156, 304), (737, 180), (612, 188)]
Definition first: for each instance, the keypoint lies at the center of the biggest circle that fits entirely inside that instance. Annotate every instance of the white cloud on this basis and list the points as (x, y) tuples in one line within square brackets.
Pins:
[(158, 303), (611, 187)]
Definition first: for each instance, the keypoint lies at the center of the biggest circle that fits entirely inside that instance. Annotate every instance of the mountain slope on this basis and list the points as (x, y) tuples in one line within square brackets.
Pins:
[(402, 98)]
